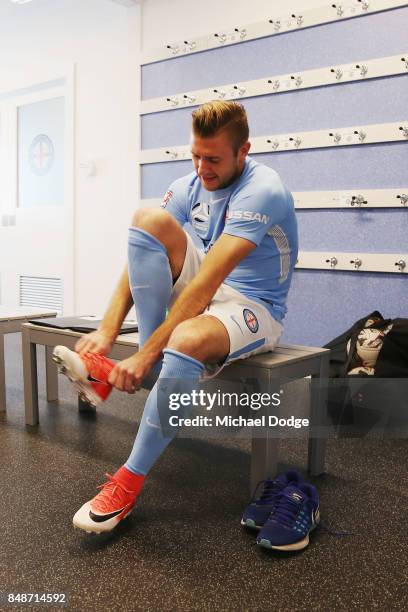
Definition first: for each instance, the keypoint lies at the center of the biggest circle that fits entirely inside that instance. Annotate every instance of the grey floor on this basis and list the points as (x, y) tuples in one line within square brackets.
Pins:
[(183, 547)]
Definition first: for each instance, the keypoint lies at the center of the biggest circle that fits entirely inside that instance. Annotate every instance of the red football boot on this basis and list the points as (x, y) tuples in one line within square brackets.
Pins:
[(89, 373), (113, 503)]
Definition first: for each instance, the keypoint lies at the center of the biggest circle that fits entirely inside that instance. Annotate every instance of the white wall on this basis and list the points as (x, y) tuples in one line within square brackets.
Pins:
[(166, 21), (102, 38)]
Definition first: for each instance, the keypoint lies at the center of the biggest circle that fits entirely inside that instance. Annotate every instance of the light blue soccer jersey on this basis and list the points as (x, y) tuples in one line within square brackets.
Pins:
[(258, 207)]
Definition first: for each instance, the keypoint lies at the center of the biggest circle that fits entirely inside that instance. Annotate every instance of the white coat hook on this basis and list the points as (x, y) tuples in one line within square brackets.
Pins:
[(275, 84), (190, 99), (174, 49), (404, 198), (405, 60), (332, 261), (276, 24), (365, 5), (241, 90), (358, 200), (190, 45), (356, 263), (296, 141), (221, 93), (242, 32), (172, 154), (336, 137), (363, 69), (339, 9), (298, 80), (221, 38), (401, 265), (338, 73), (299, 19), (173, 100), (274, 143), (361, 135), (404, 130)]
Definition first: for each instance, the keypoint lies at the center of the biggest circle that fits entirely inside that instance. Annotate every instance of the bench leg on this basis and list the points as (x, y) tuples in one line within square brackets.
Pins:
[(264, 459), (318, 407), (2, 376), (265, 449), (30, 378), (51, 375)]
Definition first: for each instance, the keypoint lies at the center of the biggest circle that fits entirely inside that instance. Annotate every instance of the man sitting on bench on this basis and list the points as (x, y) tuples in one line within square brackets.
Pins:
[(224, 277)]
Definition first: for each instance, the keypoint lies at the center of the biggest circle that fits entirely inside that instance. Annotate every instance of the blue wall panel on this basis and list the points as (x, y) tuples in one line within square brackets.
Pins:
[(377, 101), (321, 303), (362, 231), (362, 38), (371, 166)]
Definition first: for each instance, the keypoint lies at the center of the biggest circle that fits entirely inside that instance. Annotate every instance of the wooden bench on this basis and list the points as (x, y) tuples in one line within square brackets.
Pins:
[(286, 362)]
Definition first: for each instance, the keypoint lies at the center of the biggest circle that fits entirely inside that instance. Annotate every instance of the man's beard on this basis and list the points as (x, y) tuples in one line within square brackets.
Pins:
[(226, 183)]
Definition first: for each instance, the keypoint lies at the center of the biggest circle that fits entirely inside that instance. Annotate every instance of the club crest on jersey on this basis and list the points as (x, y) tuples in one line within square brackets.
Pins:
[(167, 197), (250, 320)]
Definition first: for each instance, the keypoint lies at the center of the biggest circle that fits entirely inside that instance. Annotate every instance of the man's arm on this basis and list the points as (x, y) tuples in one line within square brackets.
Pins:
[(102, 339), (224, 256)]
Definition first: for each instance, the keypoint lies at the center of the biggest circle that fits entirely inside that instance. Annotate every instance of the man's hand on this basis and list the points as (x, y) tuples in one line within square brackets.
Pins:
[(97, 341), (128, 374)]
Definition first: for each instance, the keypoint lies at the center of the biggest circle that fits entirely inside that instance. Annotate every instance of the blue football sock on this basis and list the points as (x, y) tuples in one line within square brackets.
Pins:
[(179, 374), (150, 281)]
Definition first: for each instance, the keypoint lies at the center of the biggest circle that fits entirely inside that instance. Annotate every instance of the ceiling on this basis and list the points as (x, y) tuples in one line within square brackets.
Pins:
[(10, 9)]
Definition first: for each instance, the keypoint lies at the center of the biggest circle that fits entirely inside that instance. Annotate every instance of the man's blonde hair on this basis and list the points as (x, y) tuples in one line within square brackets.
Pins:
[(219, 116)]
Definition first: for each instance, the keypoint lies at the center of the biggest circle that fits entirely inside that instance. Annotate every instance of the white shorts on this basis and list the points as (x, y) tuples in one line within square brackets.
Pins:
[(251, 327)]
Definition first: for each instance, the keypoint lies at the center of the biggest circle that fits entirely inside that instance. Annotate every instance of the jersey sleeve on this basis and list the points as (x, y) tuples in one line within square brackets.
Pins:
[(252, 214), (175, 202)]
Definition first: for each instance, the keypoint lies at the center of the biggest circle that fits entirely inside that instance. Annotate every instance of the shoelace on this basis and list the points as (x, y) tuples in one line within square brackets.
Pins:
[(332, 531), (98, 361), (270, 491), (285, 512), (113, 490), (96, 357)]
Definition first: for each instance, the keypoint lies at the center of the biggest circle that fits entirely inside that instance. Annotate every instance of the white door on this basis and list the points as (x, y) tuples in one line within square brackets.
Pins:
[(36, 197)]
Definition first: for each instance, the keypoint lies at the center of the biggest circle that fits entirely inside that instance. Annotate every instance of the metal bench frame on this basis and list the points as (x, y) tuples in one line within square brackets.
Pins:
[(285, 362), (11, 320)]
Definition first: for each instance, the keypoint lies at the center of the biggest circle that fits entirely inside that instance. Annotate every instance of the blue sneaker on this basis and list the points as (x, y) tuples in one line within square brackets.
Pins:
[(259, 508), (295, 515)]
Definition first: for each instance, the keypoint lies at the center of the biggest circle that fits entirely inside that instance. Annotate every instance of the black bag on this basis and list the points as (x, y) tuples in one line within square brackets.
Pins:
[(357, 404)]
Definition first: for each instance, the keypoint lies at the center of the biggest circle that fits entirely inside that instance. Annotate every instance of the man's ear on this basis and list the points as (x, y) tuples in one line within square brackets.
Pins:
[(244, 149)]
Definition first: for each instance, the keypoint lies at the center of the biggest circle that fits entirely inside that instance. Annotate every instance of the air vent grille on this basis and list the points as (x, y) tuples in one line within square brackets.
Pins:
[(40, 292)]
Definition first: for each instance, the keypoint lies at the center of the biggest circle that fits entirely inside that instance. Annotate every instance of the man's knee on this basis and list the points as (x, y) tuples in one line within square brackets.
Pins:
[(187, 339), (152, 220), (162, 225), (204, 338)]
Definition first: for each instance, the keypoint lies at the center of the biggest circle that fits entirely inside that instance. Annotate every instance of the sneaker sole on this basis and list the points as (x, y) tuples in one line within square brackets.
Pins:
[(287, 547), (81, 385)]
